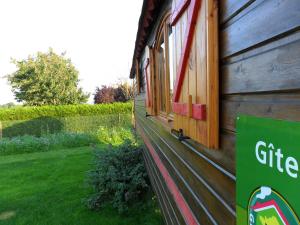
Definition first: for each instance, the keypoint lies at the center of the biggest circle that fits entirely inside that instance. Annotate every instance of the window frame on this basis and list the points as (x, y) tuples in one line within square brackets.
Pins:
[(163, 33)]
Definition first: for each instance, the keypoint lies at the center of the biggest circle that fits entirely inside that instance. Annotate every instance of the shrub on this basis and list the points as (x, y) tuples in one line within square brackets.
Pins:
[(33, 112), (26, 144), (118, 177)]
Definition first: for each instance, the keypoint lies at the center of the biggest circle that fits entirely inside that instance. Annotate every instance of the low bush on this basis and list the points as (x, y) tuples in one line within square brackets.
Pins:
[(33, 112), (118, 177), (26, 144)]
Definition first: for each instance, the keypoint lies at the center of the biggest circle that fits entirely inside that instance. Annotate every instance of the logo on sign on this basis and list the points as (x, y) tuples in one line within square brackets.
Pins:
[(267, 207)]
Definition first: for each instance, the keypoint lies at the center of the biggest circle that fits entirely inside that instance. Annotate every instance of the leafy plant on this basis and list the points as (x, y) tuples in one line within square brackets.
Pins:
[(46, 79), (118, 177), (114, 135)]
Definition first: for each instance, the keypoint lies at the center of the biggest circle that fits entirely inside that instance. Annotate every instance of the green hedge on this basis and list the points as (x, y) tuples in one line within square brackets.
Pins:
[(75, 124), (28, 113)]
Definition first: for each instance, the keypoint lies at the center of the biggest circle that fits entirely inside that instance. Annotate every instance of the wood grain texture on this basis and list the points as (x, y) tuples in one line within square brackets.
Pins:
[(269, 19), (200, 80), (176, 194), (260, 75), (171, 210), (279, 106), (201, 50), (137, 71), (179, 159), (230, 8), (276, 69), (213, 74)]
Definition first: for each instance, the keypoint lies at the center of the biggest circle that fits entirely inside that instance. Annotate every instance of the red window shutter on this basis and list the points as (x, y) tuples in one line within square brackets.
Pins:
[(198, 111)]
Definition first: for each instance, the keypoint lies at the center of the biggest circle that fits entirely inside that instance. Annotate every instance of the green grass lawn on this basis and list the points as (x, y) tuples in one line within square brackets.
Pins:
[(47, 188)]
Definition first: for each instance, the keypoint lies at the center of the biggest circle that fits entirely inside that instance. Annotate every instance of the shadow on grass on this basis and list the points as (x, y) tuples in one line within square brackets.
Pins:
[(35, 127), (7, 215)]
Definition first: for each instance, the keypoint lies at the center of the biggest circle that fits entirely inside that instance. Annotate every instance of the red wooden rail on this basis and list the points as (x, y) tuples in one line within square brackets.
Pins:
[(148, 84), (179, 10), (198, 110), (180, 201)]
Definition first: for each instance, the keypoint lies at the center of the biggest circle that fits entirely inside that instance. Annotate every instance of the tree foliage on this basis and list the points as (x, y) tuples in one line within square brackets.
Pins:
[(122, 92), (7, 105), (104, 94), (46, 79)]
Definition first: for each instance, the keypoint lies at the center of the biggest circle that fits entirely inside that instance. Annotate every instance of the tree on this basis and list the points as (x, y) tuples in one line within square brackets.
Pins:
[(105, 94), (47, 79), (8, 105), (122, 92)]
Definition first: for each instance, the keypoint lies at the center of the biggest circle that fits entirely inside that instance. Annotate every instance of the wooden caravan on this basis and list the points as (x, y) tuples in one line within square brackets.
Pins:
[(196, 65)]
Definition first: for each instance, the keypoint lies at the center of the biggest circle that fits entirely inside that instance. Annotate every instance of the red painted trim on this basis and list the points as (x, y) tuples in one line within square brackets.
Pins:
[(181, 203), (199, 110), (148, 103), (180, 108), (271, 203), (179, 10), (192, 19)]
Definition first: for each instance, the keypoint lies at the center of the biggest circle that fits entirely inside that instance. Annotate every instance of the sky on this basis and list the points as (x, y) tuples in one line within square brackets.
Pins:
[(97, 35)]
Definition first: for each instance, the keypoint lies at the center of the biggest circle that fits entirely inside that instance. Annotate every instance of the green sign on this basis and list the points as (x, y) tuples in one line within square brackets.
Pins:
[(268, 176)]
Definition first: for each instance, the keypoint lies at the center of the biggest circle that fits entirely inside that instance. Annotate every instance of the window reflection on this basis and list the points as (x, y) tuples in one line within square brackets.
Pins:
[(171, 62), (162, 74)]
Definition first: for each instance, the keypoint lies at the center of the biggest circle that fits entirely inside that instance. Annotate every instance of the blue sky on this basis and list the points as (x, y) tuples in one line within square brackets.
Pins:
[(97, 35)]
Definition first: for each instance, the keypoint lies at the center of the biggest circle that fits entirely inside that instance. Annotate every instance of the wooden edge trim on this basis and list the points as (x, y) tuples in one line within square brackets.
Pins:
[(192, 20), (179, 10), (137, 76), (198, 110), (181, 203), (148, 102), (212, 74)]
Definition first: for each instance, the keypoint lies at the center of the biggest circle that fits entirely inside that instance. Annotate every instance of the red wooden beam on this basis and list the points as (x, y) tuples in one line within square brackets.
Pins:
[(179, 10), (184, 208), (148, 83), (198, 110), (192, 19)]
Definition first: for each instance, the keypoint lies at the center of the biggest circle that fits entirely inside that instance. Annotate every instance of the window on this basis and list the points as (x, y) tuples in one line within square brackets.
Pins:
[(171, 63), (164, 68)]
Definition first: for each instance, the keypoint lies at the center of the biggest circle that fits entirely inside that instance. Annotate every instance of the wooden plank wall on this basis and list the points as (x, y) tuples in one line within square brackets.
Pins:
[(259, 75)]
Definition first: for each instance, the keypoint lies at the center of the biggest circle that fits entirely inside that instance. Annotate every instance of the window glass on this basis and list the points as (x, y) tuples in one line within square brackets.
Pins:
[(165, 68), (171, 61), (162, 74)]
